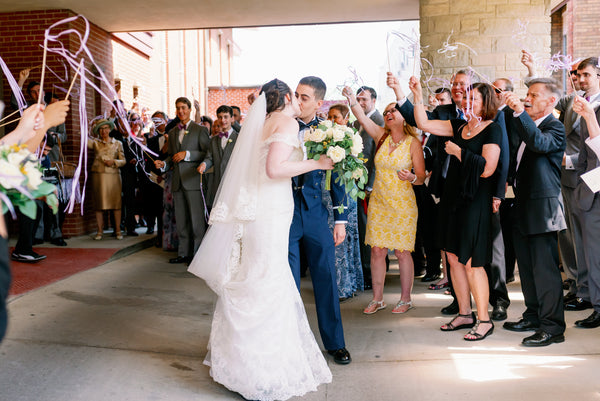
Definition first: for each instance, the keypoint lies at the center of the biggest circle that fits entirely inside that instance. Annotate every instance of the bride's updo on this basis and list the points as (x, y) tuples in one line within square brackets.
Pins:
[(275, 92)]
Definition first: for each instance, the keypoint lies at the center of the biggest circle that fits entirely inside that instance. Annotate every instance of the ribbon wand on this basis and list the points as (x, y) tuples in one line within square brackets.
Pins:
[(73, 81)]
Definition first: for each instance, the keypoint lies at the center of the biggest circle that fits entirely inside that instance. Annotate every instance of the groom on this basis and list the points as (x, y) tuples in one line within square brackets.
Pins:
[(310, 234)]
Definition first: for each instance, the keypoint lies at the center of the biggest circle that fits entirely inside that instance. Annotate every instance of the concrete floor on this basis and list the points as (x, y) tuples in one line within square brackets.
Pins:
[(136, 329)]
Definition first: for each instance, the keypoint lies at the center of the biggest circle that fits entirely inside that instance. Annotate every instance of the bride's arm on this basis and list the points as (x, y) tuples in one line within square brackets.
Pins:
[(279, 165)]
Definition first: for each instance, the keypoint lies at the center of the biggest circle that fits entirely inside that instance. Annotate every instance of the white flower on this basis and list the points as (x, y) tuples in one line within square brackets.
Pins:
[(356, 174), (308, 135), (17, 158), (327, 123), (318, 136), (34, 175), (349, 130), (357, 145), (336, 153), (338, 135), (10, 175)]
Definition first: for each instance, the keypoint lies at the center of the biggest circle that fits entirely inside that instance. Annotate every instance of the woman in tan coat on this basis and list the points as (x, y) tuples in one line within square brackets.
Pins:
[(106, 177)]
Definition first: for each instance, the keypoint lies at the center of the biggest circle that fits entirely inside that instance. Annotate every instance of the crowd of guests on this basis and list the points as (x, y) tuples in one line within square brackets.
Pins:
[(458, 191)]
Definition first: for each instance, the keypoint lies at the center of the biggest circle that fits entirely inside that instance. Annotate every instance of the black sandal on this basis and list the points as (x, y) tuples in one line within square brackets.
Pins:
[(451, 327), (477, 336)]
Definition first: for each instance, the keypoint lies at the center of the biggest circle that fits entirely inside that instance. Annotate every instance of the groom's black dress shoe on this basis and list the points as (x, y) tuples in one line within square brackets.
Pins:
[(341, 356), (541, 339), (578, 304), (521, 325), (590, 322), (180, 259), (499, 313)]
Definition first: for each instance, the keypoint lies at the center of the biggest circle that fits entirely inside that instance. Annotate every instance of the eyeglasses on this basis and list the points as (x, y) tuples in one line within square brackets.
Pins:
[(573, 72), (385, 113)]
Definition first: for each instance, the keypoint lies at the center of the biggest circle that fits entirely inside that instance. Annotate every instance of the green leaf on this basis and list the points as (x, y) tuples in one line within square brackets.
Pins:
[(29, 209)]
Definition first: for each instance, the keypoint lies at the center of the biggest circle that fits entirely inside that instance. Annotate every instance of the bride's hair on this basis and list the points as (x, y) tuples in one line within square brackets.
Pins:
[(275, 92)]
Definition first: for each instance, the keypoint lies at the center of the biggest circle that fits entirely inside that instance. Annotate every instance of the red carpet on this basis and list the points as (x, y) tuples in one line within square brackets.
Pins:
[(60, 263)]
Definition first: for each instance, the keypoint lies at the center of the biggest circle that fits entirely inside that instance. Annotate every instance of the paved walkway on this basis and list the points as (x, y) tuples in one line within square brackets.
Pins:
[(136, 328)]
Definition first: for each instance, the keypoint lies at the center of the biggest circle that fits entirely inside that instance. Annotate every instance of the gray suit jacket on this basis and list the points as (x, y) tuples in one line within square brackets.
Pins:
[(196, 141), (587, 161), (572, 122), (369, 146), (218, 157)]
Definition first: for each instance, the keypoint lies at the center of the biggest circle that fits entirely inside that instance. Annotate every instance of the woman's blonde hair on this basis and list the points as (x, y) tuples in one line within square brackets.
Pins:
[(409, 130)]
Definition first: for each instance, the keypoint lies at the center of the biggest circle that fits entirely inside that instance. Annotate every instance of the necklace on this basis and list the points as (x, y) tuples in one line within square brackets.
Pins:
[(475, 127), (396, 144)]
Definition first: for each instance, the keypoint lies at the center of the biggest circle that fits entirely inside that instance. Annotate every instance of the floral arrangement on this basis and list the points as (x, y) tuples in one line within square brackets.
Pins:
[(344, 146), (21, 182)]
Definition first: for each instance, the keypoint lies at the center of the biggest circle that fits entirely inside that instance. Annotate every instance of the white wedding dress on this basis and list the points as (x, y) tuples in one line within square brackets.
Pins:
[(261, 345)]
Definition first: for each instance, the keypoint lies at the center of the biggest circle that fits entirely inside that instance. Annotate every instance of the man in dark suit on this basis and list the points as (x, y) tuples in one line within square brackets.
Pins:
[(571, 240), (538, 211), (236, 115), (309, 232), (219, 152), (188, 144), (438, 159), (367, 99), (587, 201)]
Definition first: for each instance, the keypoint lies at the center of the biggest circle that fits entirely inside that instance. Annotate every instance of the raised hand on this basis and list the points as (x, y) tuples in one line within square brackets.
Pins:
[(527, 59), (513, 101), (349, 94), (582, 106), (56, 113), (415, 87), (394, 83)]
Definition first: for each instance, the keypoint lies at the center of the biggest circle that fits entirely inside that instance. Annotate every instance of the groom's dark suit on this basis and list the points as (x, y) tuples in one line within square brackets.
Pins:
[(309, 228), (218, 157)]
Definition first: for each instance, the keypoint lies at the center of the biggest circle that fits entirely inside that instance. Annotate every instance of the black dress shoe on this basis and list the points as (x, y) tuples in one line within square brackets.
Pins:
[(341, 356), (180, 259), (499, 313), (569, 297), (451, 309), (58, 242), (132, 234), (590, 322), (521, 325), (577, 304), (510, 279), (430, 277), (541, 339)]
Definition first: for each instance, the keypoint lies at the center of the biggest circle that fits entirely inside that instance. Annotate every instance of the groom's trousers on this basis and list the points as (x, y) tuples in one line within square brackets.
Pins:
[(309, 227)]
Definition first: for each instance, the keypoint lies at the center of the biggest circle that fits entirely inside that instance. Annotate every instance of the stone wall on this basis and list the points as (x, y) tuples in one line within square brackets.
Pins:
[(491, 29)]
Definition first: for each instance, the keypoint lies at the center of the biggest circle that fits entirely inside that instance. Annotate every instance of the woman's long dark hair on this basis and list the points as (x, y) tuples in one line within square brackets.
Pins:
[(275, 92)]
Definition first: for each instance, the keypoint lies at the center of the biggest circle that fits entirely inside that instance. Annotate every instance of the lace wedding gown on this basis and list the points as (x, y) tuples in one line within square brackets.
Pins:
[(261, 345)]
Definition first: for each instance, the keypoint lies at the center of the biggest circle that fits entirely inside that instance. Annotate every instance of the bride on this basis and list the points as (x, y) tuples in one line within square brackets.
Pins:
[(260, 345)]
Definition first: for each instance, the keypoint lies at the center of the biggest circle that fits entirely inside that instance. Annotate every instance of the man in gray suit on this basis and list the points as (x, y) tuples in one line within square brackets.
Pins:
[(188, 144), (367, 99), (538, 211), (219, 151), (570, 241), (588, 203)]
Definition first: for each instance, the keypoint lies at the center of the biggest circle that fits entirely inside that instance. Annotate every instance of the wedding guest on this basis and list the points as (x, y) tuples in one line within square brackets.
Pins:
[(106, 180), (347, 255), (539, 211), (467, 202), (207, 122), (237, 118), (392, 218)]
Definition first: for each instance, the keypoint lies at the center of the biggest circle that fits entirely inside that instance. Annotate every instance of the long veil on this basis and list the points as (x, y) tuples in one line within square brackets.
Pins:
[(234, 204)]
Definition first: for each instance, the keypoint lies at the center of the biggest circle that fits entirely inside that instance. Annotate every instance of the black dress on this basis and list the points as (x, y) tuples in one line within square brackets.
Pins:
[(4, 284), (466, 213)]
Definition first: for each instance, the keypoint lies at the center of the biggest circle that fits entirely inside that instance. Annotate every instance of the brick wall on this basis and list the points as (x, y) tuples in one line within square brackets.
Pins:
[(231, 96)]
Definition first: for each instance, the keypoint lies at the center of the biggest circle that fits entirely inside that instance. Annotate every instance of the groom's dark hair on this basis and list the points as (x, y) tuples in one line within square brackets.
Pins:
[(317, 84)]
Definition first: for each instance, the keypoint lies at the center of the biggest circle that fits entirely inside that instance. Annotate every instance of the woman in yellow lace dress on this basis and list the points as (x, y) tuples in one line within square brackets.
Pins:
[(392, 216)]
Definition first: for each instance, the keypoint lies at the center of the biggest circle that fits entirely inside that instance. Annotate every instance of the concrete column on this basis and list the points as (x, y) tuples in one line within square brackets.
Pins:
[(491, 28)]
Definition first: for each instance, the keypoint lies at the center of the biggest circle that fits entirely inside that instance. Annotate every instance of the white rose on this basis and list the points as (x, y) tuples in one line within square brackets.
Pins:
[(308, 135), (17, 158), (34, 175), (356, 174), (10, 175), (329, 133), (318, 136), (357, 145), (327, 123), (338, 135), (336, 153)]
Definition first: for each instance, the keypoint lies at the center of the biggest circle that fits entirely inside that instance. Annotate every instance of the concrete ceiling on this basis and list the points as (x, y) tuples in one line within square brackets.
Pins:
[(154, 15)]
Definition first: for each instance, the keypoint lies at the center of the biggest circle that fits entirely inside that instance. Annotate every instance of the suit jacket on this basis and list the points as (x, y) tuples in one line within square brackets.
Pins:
[(588, 160), (196, 142), (153, 144), (572, 122), (218, 157), (436, 144), (501, 172), (369, 145), (538, 205)]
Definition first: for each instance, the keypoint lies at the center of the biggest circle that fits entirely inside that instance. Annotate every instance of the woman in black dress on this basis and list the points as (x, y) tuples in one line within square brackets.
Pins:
[(466, 206)]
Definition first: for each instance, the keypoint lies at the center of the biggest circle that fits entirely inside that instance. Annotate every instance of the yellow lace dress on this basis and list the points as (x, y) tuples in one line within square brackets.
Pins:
[(392, 214)]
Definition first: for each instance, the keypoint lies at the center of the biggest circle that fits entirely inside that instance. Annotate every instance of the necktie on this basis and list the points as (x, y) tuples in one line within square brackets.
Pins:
[(461, 115)]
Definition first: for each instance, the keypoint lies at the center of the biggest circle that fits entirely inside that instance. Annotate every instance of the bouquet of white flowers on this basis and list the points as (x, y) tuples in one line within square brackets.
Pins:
[(21, 182), (344, 146)]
